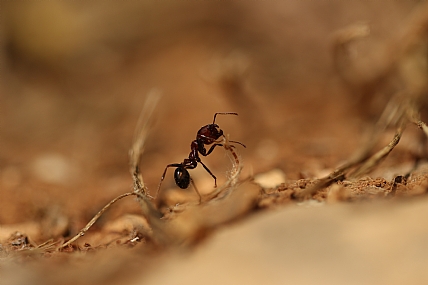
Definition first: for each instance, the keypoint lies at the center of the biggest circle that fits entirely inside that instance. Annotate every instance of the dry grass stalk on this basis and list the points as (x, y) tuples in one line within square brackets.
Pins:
[(135, 154), (403, 71), (163, 233)]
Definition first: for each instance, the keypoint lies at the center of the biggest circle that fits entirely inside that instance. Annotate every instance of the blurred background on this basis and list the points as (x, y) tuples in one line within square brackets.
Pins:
[(75, 75)]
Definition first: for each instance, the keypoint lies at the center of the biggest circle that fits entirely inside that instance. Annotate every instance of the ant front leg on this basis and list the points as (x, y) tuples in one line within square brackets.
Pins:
[(204, 153), (163, 175), (219, 144)]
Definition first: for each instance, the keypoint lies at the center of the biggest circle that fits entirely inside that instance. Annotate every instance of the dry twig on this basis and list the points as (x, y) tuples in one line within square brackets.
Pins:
[(135, 155), (403, 68)]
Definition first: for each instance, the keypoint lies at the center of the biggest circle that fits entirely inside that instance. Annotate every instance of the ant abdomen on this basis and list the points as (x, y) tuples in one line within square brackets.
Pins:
[(182, 177)]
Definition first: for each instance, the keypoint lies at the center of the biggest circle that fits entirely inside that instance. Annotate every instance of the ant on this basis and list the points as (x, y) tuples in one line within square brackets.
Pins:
[(206, 135)]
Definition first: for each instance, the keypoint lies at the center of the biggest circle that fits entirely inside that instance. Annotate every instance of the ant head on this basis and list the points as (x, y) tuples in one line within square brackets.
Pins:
[(209, 133), (182, 177)]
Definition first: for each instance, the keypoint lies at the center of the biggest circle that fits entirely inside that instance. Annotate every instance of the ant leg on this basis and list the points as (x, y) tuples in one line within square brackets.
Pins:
[(211, 149), (219, 144), (163, 176), (196, 190), (209, 171), (224, 113)]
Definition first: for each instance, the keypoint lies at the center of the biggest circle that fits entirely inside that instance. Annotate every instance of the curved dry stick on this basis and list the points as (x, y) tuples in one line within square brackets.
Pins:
[(414, 116), (135, 154), (381, 154), (394, 113), (232, 180), (83, 231), (365, 162), (408, 46), (422, 126), (144, 123)]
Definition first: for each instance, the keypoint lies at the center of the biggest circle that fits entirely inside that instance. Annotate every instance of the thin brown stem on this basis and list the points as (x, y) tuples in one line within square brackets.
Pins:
[(83, 231)]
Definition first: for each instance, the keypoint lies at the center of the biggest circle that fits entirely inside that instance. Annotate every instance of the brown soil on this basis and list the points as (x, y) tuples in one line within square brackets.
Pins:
[(74, 79)]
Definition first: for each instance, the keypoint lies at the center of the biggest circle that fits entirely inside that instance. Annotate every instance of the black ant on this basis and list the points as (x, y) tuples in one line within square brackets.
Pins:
[(206, 135)]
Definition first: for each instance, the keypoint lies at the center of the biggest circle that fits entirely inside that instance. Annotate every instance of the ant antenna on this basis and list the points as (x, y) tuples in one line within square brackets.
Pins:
[(224, 113)]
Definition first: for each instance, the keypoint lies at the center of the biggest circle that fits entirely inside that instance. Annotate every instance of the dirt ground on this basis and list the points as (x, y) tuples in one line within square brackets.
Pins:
[(309, 80)]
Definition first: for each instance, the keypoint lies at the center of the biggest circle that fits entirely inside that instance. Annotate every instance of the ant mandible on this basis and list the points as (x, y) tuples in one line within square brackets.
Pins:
[(206, 135)]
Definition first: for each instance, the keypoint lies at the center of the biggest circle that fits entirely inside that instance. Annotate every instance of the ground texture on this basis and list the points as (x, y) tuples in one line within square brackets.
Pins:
[(309, 80)]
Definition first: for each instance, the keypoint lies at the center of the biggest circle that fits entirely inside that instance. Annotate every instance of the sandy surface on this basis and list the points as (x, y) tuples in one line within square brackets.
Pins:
[(74, 79)]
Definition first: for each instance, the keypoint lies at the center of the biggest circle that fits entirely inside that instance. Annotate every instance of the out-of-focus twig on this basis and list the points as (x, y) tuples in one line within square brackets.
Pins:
[(83, 231), (408, 79), (233, 176), (135, 154)]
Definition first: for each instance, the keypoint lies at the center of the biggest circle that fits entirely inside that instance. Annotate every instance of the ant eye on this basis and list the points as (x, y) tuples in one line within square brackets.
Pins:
[(182, 178)]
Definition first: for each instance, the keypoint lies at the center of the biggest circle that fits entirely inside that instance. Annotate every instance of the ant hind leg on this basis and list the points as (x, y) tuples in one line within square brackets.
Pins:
[(163, 176)]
